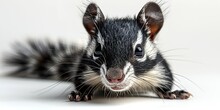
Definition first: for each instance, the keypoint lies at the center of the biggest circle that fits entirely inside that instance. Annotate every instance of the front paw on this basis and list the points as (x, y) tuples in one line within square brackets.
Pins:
[(78, 96), (178, 94)]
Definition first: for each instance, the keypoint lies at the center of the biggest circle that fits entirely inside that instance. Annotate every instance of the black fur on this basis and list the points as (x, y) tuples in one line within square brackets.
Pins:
[(111, 43), (118, 40)]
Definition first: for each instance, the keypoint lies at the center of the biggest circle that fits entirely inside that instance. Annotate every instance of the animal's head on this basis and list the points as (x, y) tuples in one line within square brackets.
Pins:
[(121, 51)]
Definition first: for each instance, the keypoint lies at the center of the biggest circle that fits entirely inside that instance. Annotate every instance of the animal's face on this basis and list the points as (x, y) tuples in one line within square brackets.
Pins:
[(121, 49)]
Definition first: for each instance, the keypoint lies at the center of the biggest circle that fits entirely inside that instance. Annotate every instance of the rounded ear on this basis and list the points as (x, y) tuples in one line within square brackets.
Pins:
[(151, 19), (92, 16)]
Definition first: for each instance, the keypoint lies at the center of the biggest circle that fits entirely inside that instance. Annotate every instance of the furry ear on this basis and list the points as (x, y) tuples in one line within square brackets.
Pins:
[(92, 16), (151, 19)]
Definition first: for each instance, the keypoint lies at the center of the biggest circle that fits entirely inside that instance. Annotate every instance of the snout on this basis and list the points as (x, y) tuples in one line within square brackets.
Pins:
[(116, 79), (115, 75)]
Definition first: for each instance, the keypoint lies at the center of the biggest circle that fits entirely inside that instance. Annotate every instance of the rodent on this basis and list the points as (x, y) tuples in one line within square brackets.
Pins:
[(121, 56)]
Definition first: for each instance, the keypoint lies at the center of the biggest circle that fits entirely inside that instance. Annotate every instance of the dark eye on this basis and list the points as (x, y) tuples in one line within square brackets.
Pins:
[(98, 51), (139, 51)]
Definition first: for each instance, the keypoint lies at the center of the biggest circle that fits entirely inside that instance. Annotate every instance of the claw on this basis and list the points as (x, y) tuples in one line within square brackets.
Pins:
[(172, 96), (178, 94), (70, 97), (77, 96), (85, 98)]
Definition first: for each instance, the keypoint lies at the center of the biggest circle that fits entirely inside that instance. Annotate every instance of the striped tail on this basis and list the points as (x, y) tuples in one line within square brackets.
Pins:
[(40, 59)]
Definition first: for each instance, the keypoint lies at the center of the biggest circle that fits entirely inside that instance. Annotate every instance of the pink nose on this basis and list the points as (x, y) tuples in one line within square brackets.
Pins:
[(115, 75)]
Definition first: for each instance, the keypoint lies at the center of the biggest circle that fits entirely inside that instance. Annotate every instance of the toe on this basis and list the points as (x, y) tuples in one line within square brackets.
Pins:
[(181, 94), (184, 96), (85, 98), (70, 97), (172, 96), (160, 95), (77, 98)]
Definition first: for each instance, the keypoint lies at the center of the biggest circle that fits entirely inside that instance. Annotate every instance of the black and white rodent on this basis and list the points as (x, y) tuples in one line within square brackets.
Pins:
[(120, 57)]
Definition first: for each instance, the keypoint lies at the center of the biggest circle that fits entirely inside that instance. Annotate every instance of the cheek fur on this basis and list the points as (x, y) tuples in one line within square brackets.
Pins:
[(155, 77), (103, 70), (91, 77)]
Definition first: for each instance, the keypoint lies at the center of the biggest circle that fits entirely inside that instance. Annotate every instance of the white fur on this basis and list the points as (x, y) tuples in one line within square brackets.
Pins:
[(103, 69), (100, 39), (139, 39), (126, 67), (91, 47), (91, 77), (125, 84), (156, 77), (150, 49)]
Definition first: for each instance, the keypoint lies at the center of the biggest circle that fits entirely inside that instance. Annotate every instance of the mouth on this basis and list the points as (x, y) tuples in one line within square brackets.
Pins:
[(119, 87), (116, 88)]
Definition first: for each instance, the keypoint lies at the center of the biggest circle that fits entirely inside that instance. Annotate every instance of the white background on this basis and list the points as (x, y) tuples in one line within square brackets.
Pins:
[(190, 40)]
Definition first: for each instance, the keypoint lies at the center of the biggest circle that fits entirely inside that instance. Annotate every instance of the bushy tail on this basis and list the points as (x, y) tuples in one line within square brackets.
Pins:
[(37, 58)]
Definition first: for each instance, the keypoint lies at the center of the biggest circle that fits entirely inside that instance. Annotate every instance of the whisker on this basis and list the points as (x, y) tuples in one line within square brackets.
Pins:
[(174, 49), (83, 83), (184, 60), (47, 89), (69, 87), (189, 80)]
